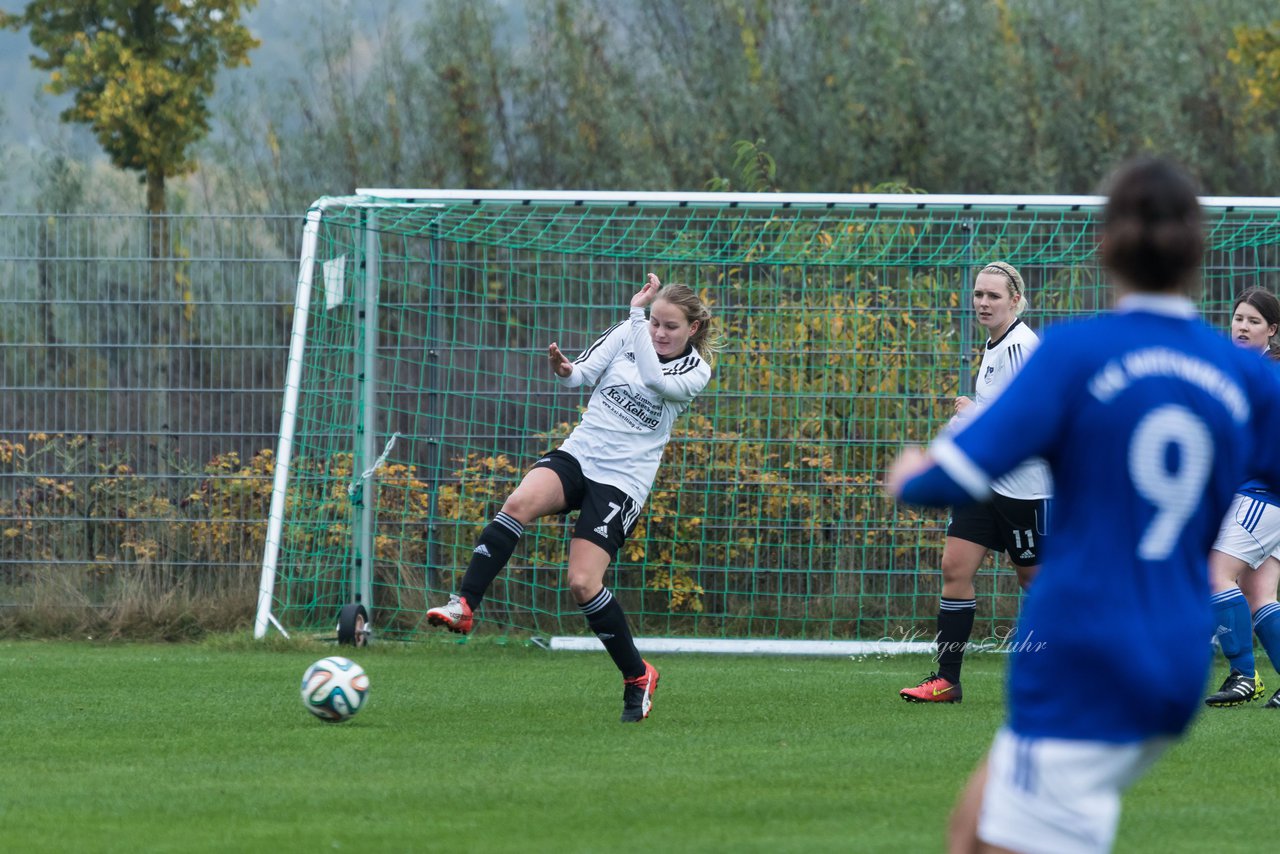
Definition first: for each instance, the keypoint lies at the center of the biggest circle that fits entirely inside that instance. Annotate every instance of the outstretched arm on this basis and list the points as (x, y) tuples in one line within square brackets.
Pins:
[(592, 361), (560, 363), (1025, 421)]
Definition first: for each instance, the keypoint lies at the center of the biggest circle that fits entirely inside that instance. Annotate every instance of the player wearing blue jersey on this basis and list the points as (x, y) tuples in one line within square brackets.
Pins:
[(1243, 567), (646, 371), (1149, 421), (1013, 520)]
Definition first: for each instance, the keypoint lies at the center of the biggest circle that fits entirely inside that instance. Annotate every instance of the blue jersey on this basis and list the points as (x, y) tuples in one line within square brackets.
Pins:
[(1150, 420)]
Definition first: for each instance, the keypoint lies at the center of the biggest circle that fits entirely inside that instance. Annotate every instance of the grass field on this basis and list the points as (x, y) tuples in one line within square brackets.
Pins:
[(506, 748)]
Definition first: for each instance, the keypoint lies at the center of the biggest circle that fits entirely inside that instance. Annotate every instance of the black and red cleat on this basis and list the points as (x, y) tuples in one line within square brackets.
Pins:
[(637, 695)]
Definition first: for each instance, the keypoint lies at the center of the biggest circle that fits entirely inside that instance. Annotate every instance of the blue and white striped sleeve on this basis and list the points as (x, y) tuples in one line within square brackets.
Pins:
[(1025, 421)]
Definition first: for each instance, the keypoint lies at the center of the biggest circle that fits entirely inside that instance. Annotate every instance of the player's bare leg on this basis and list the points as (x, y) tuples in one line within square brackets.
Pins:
[(962, 829), (960, 562), (1259, 587), (587, 565), (1026, 575)]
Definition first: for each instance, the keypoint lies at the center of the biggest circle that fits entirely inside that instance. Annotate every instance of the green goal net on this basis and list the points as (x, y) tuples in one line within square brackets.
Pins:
[(419, 393)]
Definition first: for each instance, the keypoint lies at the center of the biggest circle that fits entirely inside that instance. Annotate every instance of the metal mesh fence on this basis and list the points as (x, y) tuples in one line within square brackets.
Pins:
[(142, 363)]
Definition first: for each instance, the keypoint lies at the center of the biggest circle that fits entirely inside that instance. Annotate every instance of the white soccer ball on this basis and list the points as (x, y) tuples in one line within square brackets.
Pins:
[(334, 688)]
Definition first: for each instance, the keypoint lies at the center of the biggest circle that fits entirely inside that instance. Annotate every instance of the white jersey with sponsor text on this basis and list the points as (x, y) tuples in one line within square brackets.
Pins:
[(636, 400), (1001, 361)]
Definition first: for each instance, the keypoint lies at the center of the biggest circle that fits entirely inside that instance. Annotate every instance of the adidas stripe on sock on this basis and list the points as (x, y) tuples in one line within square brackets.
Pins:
[(493, 550), (1234, 629), (606, 618)]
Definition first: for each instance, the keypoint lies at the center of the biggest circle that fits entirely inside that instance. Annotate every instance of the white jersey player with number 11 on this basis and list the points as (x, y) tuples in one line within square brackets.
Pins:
[(1014, 519)]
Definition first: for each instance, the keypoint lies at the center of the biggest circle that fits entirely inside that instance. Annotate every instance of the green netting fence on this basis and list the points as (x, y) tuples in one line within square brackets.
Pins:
[(848, 332)]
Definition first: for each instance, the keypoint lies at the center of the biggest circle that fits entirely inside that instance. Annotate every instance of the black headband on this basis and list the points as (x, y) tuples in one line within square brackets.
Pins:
[(1013, 283)]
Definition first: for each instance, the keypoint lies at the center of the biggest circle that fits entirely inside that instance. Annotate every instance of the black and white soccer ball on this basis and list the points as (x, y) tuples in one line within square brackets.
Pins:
[(334, 688)]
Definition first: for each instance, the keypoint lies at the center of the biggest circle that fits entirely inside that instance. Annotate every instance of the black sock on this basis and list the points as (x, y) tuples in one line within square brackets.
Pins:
[(955, 624), (493, 550), (605, 617)]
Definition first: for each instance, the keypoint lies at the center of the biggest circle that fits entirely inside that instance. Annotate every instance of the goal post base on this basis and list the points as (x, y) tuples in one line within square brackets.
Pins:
[(260, 630)]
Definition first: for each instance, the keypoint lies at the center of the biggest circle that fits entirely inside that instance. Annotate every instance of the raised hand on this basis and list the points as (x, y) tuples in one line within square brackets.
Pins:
[(645, 295), (559, 362)]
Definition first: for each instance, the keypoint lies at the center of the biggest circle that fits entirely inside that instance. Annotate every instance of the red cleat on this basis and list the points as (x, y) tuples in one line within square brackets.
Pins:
[(933, 689), (454, 616)]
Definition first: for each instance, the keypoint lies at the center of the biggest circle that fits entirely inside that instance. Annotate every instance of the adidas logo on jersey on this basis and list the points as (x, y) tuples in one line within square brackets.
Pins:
[(1026, 553), (630, 356), (602, 530), (481, 549)]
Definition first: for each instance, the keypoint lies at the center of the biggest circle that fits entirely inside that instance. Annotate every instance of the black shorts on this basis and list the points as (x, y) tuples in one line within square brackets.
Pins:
[(1012, 525), (607, 514)]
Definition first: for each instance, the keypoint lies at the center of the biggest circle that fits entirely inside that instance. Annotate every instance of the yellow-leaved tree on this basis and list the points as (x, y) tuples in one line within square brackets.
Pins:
[(1257, 53), (141, 73)]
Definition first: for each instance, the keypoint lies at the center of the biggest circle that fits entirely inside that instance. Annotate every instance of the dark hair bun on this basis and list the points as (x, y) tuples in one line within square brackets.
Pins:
[(1153, 226)]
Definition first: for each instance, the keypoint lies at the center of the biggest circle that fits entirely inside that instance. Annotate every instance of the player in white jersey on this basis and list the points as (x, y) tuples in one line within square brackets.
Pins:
[(646, 371), (1243, 568), (1013, 521)]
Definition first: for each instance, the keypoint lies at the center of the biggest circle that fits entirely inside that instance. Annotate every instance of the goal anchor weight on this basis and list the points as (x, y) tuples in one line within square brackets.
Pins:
[(353, 625)]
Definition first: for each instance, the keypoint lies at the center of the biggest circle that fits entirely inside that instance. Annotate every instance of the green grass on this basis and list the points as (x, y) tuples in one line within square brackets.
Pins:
[(484, 747)]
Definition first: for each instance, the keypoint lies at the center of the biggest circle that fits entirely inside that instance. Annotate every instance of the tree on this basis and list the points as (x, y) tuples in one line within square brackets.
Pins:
[(1257, 52), (955, 96), (142, 72)]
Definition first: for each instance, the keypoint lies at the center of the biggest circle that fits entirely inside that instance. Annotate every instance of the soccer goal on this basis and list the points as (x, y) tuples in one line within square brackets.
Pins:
[(418, 393)]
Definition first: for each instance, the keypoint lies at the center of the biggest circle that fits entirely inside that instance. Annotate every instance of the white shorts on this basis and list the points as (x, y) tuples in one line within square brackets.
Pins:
[(1059, 796), (1250, 531)]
